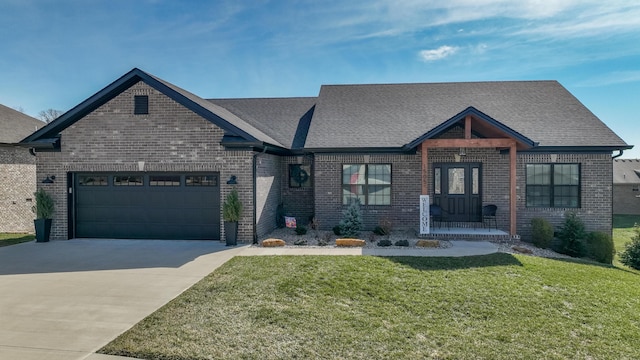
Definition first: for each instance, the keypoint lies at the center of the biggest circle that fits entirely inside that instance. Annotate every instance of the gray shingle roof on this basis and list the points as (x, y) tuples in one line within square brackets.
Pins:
[(15, 126), (626, 171), (276, 117), (392, 115)]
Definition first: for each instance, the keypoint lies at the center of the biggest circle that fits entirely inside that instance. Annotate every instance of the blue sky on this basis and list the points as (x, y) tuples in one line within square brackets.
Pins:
[(55, 54)]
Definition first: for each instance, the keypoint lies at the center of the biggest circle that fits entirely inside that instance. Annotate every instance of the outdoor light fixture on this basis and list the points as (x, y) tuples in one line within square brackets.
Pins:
[(232, 180), (49, 179), (463, 151)]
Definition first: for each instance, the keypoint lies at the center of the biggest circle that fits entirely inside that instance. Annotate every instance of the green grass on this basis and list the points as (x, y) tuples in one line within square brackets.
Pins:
[(7, 239), (622, 233), (497, 306)]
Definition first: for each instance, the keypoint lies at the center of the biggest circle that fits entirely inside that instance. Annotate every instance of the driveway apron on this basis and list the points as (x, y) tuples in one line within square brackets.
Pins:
[(67, 299)]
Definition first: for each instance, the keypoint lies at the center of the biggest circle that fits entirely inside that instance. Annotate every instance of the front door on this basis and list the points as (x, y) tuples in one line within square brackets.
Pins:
[(457, 189)]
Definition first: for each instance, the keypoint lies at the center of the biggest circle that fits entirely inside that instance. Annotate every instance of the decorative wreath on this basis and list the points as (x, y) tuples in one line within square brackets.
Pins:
[(299, 175)]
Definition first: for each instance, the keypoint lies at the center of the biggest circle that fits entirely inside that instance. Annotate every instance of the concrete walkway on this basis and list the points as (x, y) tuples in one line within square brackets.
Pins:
[(67, 299)]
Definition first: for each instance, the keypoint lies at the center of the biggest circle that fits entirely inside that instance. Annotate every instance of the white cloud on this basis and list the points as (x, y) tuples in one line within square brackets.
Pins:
[(439, 53)]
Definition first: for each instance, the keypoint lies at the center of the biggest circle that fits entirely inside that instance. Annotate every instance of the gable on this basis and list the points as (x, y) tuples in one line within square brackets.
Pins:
[(230, 123)]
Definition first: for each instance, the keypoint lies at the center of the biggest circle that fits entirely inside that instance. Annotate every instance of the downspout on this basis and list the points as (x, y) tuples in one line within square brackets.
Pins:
[(32, 151), (617, 156), (255, 186)]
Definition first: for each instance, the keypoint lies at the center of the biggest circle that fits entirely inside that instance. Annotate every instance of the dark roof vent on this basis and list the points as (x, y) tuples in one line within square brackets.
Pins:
[(141, 104)]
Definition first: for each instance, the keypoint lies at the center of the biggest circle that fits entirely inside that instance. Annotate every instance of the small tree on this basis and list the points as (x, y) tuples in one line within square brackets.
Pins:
[(631, 254), (49, 115), (351, 223), (572, 235)]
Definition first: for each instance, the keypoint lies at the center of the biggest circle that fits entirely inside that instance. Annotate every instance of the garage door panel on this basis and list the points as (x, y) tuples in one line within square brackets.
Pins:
[(147, 212)]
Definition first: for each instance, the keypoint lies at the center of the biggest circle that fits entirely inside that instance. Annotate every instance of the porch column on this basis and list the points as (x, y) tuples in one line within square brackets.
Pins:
[(512, 189), (425, 168)]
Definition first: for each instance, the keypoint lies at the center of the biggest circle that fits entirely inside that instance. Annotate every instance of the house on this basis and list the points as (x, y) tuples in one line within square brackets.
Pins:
[(626, 186), (143, 158), (17, 171)]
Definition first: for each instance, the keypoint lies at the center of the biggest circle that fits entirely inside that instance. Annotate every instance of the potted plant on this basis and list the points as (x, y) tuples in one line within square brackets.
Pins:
[(43, 208), (231, 211)]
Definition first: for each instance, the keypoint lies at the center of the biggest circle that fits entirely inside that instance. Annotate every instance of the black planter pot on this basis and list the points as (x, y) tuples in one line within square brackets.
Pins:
[(231, 232), (43, 229)]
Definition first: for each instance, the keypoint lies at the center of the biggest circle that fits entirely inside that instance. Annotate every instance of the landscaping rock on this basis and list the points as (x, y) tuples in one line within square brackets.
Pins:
[(347, 242), (273, 242), (428, 243)]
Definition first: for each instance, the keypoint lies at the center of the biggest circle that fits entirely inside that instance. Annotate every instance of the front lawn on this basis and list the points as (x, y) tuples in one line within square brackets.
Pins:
[(497, 306), (7, 239)]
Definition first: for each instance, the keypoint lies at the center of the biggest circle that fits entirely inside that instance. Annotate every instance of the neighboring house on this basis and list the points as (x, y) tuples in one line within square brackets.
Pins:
[(17, 171), (143, 158), (626, 186)]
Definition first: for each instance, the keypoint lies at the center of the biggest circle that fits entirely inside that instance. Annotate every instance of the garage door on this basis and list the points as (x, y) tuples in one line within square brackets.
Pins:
[(147, 206)]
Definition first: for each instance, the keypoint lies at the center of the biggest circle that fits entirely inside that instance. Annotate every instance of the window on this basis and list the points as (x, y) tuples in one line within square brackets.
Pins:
[(299, 176), (93, 180), (553, 185), (127, 180), (140, 104), (369, 183), (201, 180), (164, 180)]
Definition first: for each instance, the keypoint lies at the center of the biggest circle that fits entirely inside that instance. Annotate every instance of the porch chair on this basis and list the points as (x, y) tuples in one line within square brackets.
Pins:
[(488, 214), (437, 214)]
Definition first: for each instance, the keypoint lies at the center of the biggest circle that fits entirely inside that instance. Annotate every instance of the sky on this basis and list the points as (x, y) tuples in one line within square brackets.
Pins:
[(56, 54)]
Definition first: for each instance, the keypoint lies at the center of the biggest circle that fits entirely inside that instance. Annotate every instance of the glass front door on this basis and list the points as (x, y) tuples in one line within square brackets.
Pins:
[(457, 190)]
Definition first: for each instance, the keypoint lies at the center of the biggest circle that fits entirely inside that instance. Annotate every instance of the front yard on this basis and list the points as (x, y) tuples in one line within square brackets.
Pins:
[(498, 306), (7, 239)]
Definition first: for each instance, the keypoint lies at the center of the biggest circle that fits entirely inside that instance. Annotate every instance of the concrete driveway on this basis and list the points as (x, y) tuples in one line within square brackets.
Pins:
[(67, 299)]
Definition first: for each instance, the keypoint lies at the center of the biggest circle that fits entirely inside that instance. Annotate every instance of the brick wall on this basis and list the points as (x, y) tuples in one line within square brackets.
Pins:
[(404, 211), (596, 192), (268, 192), (298, 201), (17, 185), (169, 138), (626, 199)]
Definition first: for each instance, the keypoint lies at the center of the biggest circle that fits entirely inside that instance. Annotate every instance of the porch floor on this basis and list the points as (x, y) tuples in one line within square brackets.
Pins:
[(467, 233)]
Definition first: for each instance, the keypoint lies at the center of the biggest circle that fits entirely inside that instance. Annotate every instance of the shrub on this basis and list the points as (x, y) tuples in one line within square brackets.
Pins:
[(337, 230), (273, 242), (600, 247), (631, 254), (541, 232), (314, 224), (384, 242), (379, 231), (349, 242), (44, 206), (324, 240), (232, 207), (571, 236), (383, 228), (300, 242), (351, 223), (401, 243), (428, 243), (301, 230)]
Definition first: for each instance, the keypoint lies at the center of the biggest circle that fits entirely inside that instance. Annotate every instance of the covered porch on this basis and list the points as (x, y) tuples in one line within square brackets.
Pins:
[(457, 186)]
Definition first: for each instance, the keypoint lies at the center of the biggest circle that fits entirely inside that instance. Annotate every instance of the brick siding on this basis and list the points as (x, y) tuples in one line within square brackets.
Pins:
[(596, 192), (626, 199), (170, 138), (17, 185)]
